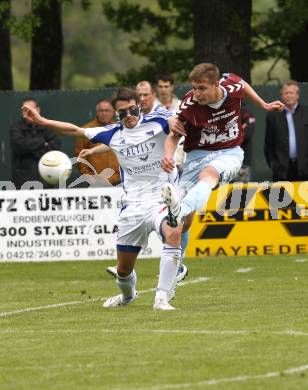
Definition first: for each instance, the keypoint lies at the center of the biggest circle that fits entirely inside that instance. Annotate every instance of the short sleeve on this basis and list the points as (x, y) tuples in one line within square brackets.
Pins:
[(102, 134)]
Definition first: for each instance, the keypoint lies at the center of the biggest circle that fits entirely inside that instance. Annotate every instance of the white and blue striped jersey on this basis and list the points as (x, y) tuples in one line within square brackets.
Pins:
[(139, 151)]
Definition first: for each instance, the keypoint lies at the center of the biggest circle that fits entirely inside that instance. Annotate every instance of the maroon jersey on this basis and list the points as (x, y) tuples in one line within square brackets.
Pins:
[(210, 128)]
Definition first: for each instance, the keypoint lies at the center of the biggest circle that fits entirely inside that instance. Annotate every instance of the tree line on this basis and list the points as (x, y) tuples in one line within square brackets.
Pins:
[(170, 34)]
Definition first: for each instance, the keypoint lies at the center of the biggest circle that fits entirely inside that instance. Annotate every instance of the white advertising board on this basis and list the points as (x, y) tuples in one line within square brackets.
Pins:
[(62, 224)]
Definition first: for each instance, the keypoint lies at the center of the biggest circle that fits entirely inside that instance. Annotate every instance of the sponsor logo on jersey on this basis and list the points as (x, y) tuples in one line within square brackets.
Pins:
[(142, 150), (210, 135), (141, 169), (218, 113), (224, 116)]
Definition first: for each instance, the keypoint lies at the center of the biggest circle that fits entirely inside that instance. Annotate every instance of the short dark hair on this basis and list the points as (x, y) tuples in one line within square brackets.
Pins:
[(125, 94), (203, 71), (29, 99), (166, 76)]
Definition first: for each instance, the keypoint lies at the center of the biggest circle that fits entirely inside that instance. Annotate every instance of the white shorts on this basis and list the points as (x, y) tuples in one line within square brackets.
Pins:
[(136, 223), (227, 162)]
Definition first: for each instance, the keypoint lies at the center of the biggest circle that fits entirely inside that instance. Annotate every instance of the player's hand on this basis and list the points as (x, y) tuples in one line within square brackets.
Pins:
[(84, 153), (277, 105), (176, 126), (168, 164), (31, 114)]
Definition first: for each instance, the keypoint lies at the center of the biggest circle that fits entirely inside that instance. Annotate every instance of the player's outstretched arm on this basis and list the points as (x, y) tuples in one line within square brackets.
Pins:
[(65, 128), (96, 150), (250, 93), (168, 162)]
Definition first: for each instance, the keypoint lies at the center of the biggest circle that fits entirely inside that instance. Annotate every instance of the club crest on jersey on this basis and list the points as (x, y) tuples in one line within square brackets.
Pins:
[(151, 132)]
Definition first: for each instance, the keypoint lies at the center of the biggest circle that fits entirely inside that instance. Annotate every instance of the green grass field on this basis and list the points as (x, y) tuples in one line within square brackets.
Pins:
[(240, 323)]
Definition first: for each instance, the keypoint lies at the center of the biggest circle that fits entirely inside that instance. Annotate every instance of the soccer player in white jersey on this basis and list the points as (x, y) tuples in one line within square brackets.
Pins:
[(138, 143), (146, 95)]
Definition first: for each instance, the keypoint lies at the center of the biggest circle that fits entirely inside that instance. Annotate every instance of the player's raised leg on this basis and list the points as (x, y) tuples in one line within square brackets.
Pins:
[(195, 199)]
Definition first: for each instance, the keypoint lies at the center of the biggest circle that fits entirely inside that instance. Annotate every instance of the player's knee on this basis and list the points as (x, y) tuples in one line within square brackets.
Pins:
[(123, 270), (173, 236), (209, 175)]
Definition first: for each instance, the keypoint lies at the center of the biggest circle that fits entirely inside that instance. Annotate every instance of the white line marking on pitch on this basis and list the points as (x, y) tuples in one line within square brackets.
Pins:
[(240, 378), (300, 260), (288, 332), (55, 305), (244, 270)]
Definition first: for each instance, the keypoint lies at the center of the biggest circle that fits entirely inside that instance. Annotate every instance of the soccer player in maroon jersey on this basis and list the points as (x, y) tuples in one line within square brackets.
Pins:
[(209, 118)]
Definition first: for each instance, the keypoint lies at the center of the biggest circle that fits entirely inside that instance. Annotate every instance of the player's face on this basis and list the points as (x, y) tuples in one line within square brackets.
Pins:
[(205, 92), (164, 90), (146, 98), (104, 113), (290, 95), (128, 112)]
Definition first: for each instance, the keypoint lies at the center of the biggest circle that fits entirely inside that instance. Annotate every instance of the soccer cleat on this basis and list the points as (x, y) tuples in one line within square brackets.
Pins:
[(182, 273), (171, 292), (112, 271), (171, 200), (162, 304), (117, 301)]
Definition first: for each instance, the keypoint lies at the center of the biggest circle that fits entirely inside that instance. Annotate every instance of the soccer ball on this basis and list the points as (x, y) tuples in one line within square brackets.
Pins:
[(55, 166)]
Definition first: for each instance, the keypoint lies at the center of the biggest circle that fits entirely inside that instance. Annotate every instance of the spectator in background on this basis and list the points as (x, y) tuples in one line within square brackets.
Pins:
[(248, 125), (99, 163), (165, 92), (286, 137), (28, 143), (146, 95)]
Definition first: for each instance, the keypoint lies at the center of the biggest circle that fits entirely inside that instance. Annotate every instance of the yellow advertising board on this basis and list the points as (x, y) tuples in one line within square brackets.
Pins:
[(251, 220)]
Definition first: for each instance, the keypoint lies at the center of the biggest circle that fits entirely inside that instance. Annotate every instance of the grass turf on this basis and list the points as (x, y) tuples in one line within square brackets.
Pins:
[(242, 328)]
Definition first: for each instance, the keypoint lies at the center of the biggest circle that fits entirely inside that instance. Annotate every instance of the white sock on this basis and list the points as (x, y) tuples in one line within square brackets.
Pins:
[(196, 198), (127, 285), (169, 264)]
